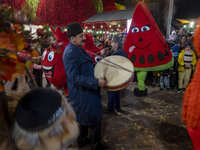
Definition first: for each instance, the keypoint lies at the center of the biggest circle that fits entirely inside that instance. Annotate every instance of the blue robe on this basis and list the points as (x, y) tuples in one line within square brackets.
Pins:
[(84, 93)]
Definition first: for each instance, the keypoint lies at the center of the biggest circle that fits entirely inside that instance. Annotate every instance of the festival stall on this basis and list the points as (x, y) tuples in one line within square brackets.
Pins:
[(114, 19), (110, 22)]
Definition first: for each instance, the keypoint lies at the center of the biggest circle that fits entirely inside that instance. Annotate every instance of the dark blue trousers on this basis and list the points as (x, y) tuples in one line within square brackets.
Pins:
[(113, 100)]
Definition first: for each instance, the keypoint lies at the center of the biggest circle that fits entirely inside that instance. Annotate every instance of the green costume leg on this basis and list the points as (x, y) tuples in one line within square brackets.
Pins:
[(141, 78)]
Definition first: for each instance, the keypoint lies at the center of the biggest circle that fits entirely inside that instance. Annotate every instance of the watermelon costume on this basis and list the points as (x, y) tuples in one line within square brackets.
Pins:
[(146, 47), (91, 49)]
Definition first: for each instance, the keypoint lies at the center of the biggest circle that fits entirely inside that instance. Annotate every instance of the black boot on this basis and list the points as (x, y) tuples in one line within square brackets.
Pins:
[(83, 140), (100, 146), (82, 143), (138, 92)]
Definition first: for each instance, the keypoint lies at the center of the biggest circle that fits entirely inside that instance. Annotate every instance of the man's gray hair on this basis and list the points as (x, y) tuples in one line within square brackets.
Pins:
[(117, 39)]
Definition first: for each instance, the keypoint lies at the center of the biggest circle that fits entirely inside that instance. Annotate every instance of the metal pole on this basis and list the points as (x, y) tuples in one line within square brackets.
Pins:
[(169, 22)]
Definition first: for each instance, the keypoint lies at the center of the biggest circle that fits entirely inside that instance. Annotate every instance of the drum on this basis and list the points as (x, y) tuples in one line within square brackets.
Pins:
[(117, 70)]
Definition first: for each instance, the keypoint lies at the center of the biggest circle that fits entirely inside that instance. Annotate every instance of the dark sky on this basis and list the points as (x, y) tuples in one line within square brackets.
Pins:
[(184, 9), (187, 9)]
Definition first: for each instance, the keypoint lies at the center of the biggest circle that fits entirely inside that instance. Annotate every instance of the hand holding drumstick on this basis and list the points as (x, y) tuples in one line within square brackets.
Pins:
[(102, 82), (105, 50)]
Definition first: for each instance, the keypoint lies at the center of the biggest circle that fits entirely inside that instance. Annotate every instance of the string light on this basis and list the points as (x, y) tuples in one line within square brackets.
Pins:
[(191, 24)]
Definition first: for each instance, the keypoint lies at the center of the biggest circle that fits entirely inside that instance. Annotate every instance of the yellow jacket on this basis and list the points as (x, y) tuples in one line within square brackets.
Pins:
[(181, 61)]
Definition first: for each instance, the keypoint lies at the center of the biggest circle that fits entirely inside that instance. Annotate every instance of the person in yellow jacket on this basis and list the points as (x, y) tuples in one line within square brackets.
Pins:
[(186, 63)]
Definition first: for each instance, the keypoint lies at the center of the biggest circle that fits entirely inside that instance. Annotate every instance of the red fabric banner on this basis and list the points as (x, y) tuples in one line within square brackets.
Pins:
[(63, 12)]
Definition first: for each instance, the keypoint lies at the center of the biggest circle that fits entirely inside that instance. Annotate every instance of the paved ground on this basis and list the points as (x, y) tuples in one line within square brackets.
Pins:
[(152, 123)]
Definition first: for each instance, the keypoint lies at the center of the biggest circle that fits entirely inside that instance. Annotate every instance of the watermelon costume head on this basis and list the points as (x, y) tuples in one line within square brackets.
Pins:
[(91, 49), (145, 45)]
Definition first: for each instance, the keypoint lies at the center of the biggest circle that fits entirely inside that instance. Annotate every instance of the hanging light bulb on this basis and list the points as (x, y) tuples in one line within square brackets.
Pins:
[(93, 26), (118, 25), (101, 26)]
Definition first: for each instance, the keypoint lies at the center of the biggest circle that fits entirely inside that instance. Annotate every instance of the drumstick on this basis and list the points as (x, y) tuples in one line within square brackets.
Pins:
[(111, 62), (115, 66), (100, 51)]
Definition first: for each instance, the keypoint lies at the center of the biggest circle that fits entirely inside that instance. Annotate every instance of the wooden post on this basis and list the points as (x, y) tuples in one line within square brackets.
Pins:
[(169, 22)]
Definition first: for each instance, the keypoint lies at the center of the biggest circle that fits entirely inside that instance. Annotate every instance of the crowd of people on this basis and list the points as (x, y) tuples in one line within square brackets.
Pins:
[(184, 56), (185, 60)]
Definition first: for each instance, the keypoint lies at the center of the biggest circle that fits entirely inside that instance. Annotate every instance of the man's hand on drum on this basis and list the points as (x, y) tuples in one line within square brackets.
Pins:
[(103, 51), (102, 82)]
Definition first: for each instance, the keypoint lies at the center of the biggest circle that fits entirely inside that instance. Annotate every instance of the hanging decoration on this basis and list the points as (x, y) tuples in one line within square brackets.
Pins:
[(63, 12), (119, 6), (15, 42), (109, 5), (14, 3), (98, 5), (33, 4)]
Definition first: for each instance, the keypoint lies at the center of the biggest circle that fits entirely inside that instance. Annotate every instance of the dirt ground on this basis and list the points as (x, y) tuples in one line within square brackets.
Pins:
[(152, 123)]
